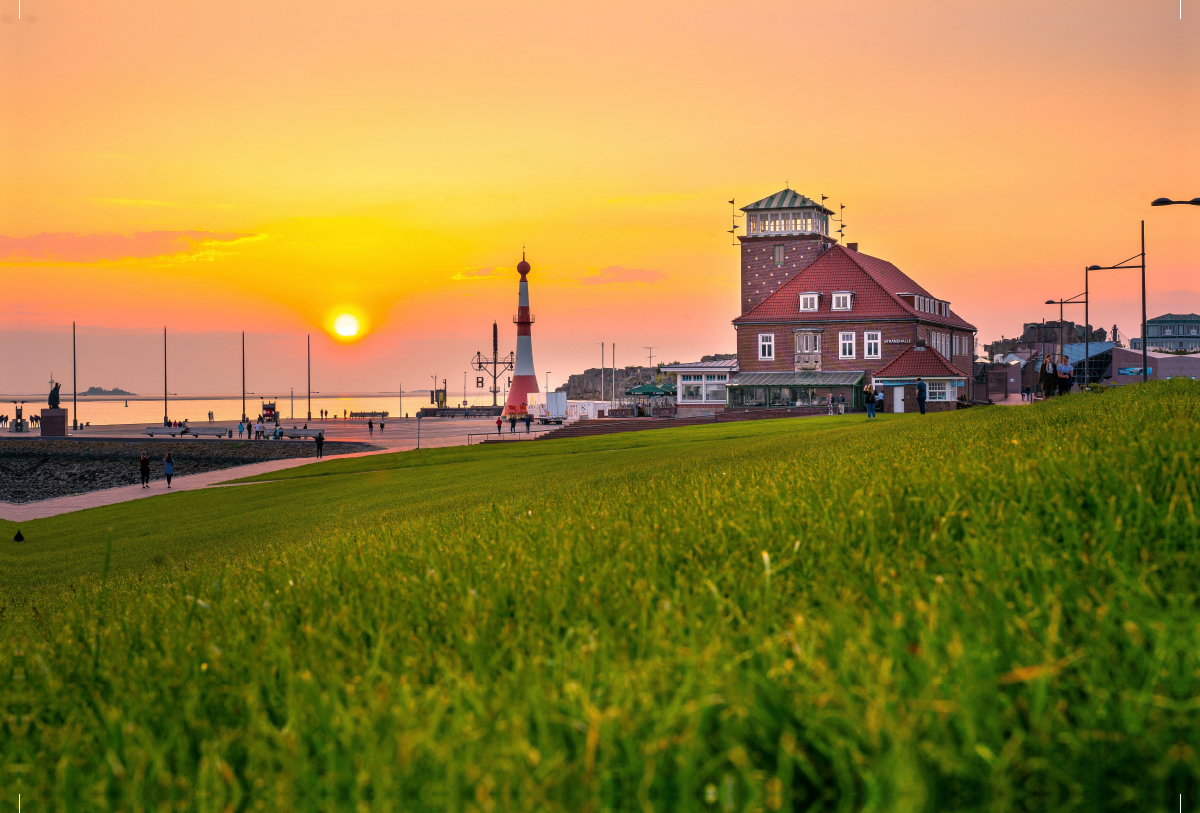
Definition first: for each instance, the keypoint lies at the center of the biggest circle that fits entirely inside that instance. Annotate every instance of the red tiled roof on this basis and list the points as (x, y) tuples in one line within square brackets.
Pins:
[(876, 284), (914, 361)]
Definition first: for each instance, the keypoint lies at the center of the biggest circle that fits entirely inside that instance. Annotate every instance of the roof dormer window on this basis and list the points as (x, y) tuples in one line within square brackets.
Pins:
[(810, 301), (842, 300)]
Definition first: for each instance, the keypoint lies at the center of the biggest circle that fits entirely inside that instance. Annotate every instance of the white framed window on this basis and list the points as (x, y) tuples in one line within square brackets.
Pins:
[(1168, 330), (846, 345), (779, 255), (842, 300), (809, 301), (1193, 330), (766, 347), (871, 344), (938, 391), (690, 387), (774, 222)]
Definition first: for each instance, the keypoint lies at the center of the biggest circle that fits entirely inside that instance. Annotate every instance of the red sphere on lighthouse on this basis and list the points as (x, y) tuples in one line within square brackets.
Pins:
[(524, 381)]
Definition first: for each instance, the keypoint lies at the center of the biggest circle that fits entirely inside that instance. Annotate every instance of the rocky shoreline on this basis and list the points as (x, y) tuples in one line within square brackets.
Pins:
[(41, 469)]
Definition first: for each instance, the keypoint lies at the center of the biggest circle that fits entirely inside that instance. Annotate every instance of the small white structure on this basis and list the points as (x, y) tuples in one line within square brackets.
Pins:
[(701, 386)]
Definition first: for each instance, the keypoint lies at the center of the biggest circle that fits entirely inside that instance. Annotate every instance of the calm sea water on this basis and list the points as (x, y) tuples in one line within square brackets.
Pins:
[(108, 410)]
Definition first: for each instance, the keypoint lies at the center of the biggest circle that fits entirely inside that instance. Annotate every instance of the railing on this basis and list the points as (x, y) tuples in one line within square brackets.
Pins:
[(508, 436), (517, 319)]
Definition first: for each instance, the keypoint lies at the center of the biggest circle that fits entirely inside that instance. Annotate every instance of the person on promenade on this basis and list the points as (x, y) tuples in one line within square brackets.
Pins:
[(869, 392), (512, 424), (169, 468), (381, 425), (528, 422), (241, 427), (320, 444), (879, 400), (144, 466), (1066, 376), (371, 427), (499, 424), (922, 394), (1049, 377)]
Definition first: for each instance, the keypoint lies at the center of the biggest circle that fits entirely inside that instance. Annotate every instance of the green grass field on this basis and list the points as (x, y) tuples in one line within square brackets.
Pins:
[(993, 609)]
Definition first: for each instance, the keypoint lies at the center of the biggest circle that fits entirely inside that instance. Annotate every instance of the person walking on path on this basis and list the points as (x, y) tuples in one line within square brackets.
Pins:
[(869, 391), (1049, 378), (381, 425), (241, 427), (528, 422), (1066, 376), (922, 394), (879, 400), (169, 468), (512, 424), (320, 444), (371, 427), (144, 466), (499, 424)]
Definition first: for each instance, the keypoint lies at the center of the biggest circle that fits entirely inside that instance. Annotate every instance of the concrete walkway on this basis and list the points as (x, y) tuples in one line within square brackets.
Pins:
[(24, 512), (400, 436)]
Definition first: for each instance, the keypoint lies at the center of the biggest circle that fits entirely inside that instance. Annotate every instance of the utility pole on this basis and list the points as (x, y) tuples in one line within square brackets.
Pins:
[(74, 383), (612, 396), (651, 349), (243, 377), (166, 420), (308, 337)]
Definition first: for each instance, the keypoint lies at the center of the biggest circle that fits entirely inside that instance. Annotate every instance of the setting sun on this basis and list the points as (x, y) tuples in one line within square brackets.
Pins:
[(346, 325)]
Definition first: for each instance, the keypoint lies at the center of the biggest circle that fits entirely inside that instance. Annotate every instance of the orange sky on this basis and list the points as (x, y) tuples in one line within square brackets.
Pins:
[(265, 166)]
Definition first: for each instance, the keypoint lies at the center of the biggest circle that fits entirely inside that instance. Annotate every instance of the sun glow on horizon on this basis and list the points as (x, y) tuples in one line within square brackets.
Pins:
[(346, 326)]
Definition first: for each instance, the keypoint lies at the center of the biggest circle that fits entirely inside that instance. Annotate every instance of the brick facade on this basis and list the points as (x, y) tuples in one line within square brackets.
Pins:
[(901, 335), (761, 277)]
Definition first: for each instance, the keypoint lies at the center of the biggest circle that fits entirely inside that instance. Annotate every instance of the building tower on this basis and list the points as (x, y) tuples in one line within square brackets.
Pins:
[(524, 381)]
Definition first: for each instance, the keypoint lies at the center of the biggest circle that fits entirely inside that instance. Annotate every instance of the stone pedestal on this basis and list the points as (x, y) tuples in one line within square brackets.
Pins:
[(54, 423)]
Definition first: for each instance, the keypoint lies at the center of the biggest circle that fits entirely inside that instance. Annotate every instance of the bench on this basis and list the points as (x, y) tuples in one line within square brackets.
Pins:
[(165, 430), (215, 431), (298, 434)]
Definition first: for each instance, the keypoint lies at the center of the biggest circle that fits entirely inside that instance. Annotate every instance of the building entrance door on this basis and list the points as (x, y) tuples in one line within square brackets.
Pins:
[(897, 399)]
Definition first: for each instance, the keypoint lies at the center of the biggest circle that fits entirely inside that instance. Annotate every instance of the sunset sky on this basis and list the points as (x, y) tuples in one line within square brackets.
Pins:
[(265, 166)]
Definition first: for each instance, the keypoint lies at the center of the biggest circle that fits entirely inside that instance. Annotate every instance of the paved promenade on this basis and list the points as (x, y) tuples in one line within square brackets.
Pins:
[(399, 436)]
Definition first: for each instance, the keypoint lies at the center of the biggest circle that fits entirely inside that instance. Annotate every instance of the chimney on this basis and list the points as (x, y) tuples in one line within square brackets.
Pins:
[(852, 246)]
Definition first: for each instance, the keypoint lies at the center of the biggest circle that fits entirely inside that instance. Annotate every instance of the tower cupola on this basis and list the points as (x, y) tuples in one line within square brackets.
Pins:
[(786, 213)]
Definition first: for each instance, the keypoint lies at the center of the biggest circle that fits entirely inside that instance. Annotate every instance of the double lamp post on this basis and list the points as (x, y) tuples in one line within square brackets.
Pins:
[(1124, 264)]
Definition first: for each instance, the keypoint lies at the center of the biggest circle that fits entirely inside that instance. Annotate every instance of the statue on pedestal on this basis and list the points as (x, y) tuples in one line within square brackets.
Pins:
[(54, 396)]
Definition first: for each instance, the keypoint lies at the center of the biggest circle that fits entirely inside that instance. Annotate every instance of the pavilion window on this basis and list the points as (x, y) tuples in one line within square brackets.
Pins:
[(937, 390), (779, 255)]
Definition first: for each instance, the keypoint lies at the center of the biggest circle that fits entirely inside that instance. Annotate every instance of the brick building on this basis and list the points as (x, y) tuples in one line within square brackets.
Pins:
[(822, 317)]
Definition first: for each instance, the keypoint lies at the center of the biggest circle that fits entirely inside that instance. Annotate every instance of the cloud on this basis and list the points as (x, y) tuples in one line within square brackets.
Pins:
[(617, 274), (476, 273), (69, 247)]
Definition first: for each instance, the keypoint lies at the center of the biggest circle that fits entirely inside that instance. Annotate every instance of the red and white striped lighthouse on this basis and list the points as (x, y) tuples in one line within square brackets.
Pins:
[(524, 381)]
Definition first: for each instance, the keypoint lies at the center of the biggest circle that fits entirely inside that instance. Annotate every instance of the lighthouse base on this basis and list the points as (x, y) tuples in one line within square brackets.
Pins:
[(518, 395)]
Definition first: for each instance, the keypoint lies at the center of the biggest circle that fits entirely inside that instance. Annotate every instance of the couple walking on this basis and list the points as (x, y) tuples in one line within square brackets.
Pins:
[(1057, 377), (168, 469)]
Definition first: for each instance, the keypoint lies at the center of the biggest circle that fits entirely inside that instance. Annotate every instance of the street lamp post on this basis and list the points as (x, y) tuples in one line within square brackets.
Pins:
[(1060, 302), (1141, 257), (1169, 202)]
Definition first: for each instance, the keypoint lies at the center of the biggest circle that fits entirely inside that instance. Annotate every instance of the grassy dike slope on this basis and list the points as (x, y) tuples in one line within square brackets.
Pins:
[(993, 609)]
